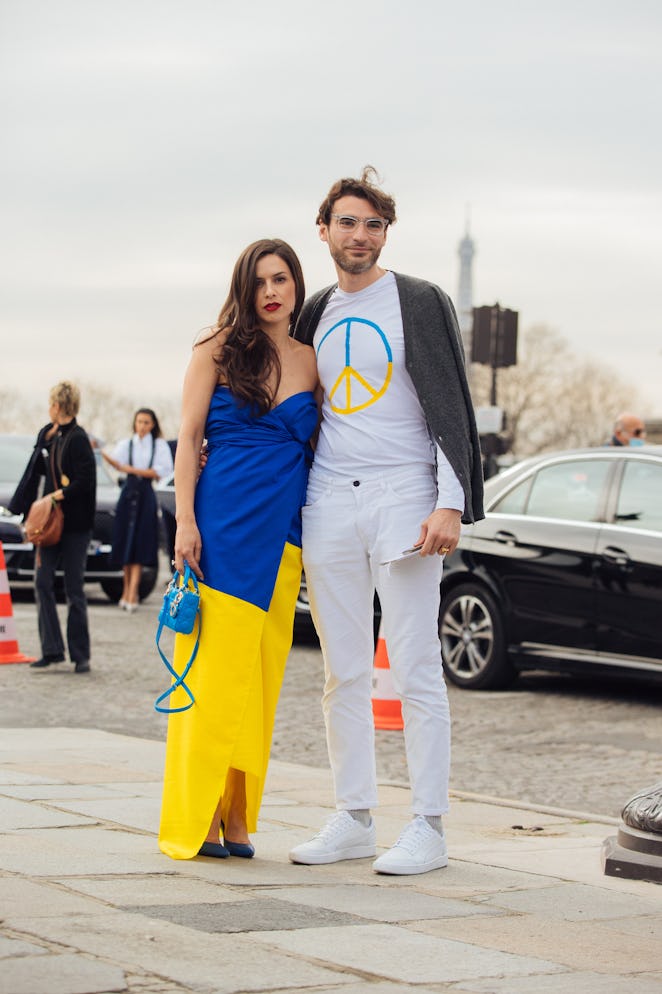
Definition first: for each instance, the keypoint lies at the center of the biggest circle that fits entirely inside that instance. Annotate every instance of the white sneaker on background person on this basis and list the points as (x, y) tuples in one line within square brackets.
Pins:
[(419, 849), (343, 837)]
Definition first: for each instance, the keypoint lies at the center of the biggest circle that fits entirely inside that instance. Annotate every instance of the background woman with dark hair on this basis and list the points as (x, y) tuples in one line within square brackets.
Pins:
[(249, 390), (143, 459)]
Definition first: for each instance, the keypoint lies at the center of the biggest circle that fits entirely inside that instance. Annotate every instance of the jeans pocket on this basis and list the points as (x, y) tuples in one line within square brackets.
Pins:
[(315, 494), (416, 488)]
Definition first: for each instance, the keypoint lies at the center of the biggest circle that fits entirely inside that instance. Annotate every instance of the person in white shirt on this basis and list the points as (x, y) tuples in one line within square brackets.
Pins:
[(397, 465), (142, 459)]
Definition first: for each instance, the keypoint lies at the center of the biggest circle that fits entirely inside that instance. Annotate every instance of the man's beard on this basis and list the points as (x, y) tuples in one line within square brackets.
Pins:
[(349, 264)]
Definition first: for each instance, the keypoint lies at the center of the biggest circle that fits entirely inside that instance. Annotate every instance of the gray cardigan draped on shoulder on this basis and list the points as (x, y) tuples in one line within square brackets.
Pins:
[(434, 357)]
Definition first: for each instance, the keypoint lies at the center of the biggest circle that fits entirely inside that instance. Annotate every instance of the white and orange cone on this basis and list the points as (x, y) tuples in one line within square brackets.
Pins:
[(8, 642), (386, 707)]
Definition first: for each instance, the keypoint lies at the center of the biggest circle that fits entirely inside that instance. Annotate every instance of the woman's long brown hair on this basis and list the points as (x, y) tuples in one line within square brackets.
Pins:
[(248, 358)]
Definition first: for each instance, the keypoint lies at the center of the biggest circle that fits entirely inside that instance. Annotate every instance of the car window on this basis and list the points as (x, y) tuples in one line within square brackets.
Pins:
[(103, 476), (570, 490), (640, 499), (514, 501), (15, 452)]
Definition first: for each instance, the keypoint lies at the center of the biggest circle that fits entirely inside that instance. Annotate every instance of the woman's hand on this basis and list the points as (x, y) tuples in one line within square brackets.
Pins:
[(188, 546)]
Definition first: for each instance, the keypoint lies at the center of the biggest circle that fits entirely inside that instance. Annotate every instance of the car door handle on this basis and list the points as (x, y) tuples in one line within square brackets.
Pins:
[(507, 538), (615, 556)]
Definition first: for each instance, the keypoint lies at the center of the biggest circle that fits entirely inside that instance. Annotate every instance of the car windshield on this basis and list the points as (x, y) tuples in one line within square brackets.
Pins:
[(15, 452)]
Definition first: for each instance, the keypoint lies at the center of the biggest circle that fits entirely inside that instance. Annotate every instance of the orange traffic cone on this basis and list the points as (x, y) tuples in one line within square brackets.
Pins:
[(8, 644), (386, 708)]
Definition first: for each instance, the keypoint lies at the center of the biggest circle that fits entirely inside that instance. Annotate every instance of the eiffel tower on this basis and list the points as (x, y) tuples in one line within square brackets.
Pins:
[(466, 250)]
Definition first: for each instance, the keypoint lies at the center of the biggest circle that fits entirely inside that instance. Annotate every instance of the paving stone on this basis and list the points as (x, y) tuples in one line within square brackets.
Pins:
[(577, 902), (579, 946), (72, 791), (249, 873), (646, 926), (575, 983), (379, 903), (496, 920), (358, 985), (141, 813), (263, 914), (222, 963), (18, 947), (142, 889), (18, 815), (462, 879), (65, 974), (10, 777), (81, 851), (20, 896), (305, 819), (396, 953), (565, 858)]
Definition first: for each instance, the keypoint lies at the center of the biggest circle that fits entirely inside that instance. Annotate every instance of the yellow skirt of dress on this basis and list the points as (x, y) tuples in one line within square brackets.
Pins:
[(236, 680)]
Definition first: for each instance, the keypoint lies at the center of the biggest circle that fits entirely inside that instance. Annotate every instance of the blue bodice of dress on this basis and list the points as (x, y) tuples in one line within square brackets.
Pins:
[(249, 495)]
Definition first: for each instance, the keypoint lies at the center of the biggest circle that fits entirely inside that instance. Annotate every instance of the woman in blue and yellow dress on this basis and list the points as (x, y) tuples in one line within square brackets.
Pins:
[(249, 390)]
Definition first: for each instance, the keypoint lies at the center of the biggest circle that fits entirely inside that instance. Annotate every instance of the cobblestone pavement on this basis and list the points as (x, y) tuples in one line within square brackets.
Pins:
[(550, 740)]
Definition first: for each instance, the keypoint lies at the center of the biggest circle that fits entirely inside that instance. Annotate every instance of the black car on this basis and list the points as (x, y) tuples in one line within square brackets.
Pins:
[(564, 573), (15, 451)]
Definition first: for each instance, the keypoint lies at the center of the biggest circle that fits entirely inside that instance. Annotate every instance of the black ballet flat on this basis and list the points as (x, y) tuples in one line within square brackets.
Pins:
[(214, 849)]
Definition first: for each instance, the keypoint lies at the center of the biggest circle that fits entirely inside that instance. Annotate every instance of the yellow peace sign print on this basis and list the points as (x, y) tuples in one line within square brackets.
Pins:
[(351, 391)]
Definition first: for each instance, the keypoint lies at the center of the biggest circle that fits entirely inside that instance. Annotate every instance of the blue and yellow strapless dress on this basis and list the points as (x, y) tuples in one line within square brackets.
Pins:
[(248, 509)]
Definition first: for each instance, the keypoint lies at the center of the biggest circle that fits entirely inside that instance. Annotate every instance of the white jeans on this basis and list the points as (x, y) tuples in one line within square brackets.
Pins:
[(350, 526)]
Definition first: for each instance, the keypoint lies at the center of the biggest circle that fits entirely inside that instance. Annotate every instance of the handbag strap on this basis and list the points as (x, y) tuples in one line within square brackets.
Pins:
[(55, 445), (151, 458), (56, 479), (179, 679)]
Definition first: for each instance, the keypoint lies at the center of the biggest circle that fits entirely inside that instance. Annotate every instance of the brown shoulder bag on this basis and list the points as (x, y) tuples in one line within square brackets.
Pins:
[(45, 519)]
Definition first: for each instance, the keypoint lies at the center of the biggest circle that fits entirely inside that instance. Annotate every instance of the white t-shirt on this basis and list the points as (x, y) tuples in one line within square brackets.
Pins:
[(142, 453), (372, 420)]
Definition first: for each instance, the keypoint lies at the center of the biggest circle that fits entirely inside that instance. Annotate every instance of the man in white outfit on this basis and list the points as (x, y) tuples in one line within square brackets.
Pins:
[(397, 465)]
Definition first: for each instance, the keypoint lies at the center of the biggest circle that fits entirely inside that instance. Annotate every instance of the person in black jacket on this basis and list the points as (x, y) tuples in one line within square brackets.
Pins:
[(64, 456)]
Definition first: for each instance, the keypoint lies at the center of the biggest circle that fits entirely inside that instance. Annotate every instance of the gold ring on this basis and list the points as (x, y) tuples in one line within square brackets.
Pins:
[(445, 548)]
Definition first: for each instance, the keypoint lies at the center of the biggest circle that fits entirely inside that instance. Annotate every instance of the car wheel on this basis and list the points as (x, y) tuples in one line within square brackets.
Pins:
[(113, 587), (473, 645)]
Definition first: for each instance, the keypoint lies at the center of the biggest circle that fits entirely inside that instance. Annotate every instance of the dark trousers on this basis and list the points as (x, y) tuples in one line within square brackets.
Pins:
[(71, 554)]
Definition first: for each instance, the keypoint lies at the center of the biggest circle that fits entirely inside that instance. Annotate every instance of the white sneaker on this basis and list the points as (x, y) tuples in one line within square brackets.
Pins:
[(343, 837), (419, 849)]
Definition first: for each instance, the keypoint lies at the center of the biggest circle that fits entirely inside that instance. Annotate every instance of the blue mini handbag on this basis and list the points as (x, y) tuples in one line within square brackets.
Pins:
[(179, 611)]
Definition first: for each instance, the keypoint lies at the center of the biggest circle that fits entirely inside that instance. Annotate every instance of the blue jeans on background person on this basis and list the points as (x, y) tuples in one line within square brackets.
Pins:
[(71, 554)]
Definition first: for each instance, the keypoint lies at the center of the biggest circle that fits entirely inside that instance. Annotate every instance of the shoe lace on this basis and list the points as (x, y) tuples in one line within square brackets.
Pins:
[(336, 824), (413, 834)]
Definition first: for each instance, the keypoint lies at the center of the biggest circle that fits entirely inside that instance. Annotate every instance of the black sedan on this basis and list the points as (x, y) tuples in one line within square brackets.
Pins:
[(15, 451), (564, 573)]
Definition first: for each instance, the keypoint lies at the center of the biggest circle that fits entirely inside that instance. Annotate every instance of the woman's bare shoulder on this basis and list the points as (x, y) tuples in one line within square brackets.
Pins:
[(210, 339), (309, 362)]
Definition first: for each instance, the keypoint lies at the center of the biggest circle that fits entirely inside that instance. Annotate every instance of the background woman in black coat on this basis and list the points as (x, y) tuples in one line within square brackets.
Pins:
[(64, 457)]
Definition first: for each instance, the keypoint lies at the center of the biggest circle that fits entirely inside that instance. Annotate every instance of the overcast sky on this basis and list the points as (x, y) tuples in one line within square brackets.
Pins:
[(146, 142)]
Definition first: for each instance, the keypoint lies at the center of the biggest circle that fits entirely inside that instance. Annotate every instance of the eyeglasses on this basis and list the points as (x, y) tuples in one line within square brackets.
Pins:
[(638, 432), (373, 225)]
